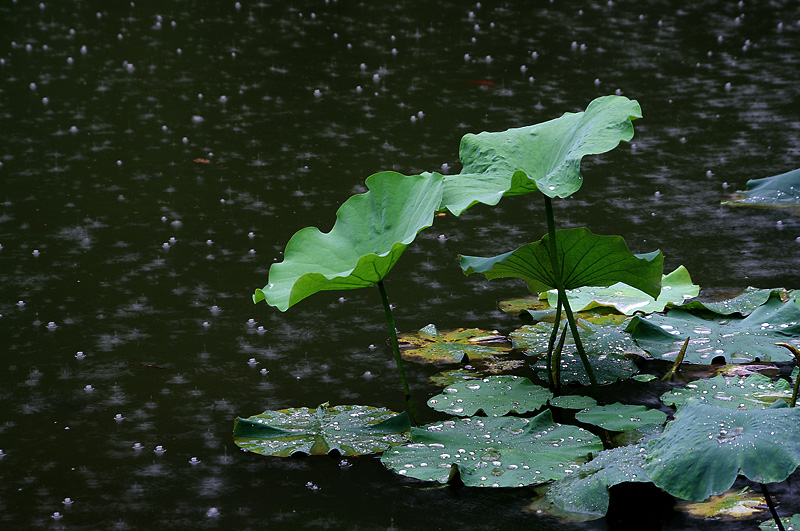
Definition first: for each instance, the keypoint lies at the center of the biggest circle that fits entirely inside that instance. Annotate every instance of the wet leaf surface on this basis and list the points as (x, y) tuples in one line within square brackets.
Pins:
[(743, 304), (790, 523), (429, 345), (705, 448), (493, 451), (621, 417), (573, 401), (728, 506), (778, 191), (752, 392), (494, 396), (348, 430)]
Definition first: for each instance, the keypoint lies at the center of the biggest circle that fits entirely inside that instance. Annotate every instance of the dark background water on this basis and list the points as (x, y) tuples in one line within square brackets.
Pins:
[(156, 159)]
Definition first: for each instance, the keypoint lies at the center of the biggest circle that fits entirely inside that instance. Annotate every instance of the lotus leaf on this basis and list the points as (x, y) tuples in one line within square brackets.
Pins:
[(493, 451), (371, 232), (644, 377), (544, 157), (789, 523), (518, 305), (621, 417), (705, 448), (428, 345), (446, 378), (729, 505), (676, 288), (754, 392), (737, 340), (495, 396), (743, 304), (586, 259), (348, 430), (583, 495), (573, 402), (778, 191)]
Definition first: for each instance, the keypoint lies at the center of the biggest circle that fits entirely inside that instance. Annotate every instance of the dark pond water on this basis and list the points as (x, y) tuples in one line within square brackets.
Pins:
[(155, 159)]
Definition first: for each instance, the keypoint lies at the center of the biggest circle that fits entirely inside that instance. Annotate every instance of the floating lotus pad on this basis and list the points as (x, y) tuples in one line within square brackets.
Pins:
[(743, 304), (727, 506), (621, 417), (676, 288), (573, 402), (495, 396), (583, 495), (348, 430), (370, 234), (753, 392), (428, 345), (778, 191), (789, 523), (736, 340), (705, 448), (545, 157), (493, 451)]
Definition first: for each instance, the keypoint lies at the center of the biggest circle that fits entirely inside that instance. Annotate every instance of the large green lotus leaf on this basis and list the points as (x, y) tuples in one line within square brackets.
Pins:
[(586, 259), (429, 345), (743, 304), (778, 191), (621, 417), (790, 523), (705, 448), (349, 430), (495, 396), (737, 340), (727, 506), (493, 451), (545, 156), (754, 392), (676, 288), (583, 495), (371, 232)]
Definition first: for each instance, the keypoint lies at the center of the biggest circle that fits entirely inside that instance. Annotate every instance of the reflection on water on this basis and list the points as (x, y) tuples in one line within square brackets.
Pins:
[(156, 160)]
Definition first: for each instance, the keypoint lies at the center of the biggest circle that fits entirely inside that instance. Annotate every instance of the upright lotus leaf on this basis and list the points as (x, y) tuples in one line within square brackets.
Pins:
[(371, 232), (586, 259), (705, 448), (545, 157), (676, 288), (737, 340), (778, 191), (495, 396), (584, 494), (754, 392), (728, 506), (348, 430), (621, 417), (429, 345), (743, 304), (493, 451)]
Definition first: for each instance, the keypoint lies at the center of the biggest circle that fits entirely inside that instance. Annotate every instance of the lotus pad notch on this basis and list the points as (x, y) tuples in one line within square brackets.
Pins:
[(493, 451), (347, 429), (495, 396), (370, 234)]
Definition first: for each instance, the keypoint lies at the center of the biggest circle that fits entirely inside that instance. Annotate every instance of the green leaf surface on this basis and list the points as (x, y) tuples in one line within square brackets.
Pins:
[(790, 523), (705, 448), (737, 340), (743, 304), (495, 396), (621, 417), (586, 259), (429, 345), (545, 156), (778, 191), (573, 402), (676, 288), (370, 234), (753, 392), (493, 451), (348, 430), (583, 495)]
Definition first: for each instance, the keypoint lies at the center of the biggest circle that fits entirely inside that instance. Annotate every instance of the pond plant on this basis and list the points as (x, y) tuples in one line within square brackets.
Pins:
[(500, 429)]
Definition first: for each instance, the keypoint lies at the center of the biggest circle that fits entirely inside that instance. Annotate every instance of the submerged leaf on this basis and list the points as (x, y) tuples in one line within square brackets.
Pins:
[(676, 288), (736, 340), (493, 451), (545, 157), (428, 345), (705, 448), (495, 396), (371, 232), (729, 505), (754, 392), (621, 417), (348, 430), (778, 191), (586, 259)]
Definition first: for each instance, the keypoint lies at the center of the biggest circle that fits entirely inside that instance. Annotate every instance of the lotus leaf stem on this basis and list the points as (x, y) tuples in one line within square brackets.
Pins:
[(678, 360), (771, 506), (551, 345), (562, 292), (396, 349)]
